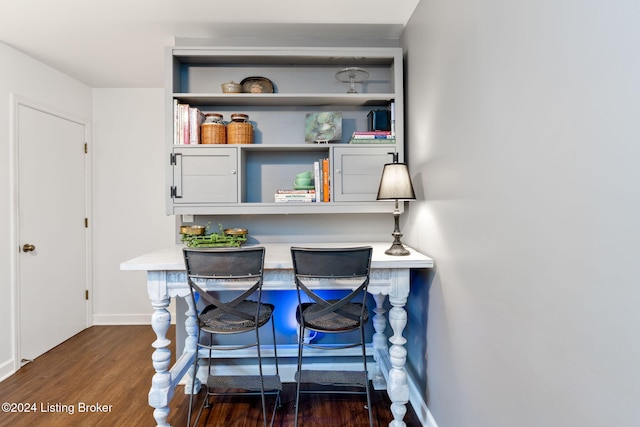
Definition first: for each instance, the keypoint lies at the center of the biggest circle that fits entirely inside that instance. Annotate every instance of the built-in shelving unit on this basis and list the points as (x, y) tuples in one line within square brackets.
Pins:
[(242, 179)]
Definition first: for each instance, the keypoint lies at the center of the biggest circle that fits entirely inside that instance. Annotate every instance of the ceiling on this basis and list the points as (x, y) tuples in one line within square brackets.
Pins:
[(120, 43)]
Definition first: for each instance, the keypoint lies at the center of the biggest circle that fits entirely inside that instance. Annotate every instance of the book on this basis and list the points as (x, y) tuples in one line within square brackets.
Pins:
[(383, 137), (196, 117), (317, 180), (176, 122), (326, 182), (392, 119), (183, 124), (373, 137), (387, 140), (294, 197), (365, 133), (294, 191), (295, 201)]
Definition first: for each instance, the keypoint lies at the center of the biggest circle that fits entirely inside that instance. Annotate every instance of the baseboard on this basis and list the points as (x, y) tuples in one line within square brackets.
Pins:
[(125, 319), (6, 369), (419, 405)]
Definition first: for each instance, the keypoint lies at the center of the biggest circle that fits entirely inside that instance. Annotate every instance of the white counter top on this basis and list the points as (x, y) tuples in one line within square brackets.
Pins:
[(277, 256)]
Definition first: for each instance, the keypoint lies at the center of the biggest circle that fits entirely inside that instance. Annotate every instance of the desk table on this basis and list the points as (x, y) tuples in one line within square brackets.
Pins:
[(390, 277)]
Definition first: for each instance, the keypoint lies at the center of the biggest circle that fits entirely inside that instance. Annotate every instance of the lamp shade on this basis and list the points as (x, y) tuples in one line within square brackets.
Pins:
[(395, 183)]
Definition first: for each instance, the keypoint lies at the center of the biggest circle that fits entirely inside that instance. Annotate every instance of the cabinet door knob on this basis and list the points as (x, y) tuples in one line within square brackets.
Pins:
[(233, 172), (338, 171), (28, 247)]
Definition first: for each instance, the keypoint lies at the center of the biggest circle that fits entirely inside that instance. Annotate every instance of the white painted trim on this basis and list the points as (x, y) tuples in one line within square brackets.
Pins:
[(419, 405), (6, 369), (14, 220), (13, 230), (126, 319)]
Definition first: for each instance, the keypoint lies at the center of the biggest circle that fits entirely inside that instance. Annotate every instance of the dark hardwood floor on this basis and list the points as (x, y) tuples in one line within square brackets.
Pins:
[(101, 377)]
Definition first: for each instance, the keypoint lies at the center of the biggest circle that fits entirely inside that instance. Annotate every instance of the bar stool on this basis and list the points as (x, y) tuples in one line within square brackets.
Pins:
[(241, 270), (314, 267)]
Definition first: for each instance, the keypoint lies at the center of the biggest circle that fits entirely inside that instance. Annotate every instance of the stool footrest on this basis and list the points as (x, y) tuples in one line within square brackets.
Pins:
[(335, 378), (245, 382)]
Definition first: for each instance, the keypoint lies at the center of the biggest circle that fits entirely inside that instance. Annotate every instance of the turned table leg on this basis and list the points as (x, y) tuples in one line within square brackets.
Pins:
[(379, 340), (160, 392), (397, 385), (190, 345)]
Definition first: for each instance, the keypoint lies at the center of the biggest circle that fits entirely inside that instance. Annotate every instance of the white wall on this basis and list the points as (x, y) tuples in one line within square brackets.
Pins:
[(129, 220), (524, 143), (129, 160), (39, 83)]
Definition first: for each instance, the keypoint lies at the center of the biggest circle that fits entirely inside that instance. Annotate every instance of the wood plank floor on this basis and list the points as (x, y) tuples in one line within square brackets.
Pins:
[(101, 377)]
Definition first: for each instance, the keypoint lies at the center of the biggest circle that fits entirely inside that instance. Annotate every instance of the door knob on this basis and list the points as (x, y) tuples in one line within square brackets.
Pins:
[(28, 247)]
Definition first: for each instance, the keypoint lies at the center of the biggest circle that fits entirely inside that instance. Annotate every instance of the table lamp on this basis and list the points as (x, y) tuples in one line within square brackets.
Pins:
[(395, 184)]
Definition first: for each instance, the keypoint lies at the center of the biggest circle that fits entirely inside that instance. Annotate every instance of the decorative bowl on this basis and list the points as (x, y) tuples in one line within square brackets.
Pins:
[(257, 85), (236, 231), (231, 87), (192, 230)]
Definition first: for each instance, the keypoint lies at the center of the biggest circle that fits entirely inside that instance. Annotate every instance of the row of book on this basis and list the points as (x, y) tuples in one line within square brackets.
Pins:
[(186, 123), (320, 191)]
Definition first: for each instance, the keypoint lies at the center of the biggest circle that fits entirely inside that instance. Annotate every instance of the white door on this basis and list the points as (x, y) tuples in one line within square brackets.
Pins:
[(52, 264)]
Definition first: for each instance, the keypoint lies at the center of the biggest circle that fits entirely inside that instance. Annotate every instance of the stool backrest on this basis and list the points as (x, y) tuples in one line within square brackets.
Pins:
[(222, 263), (331, 262), (350, 265), (245, 265)]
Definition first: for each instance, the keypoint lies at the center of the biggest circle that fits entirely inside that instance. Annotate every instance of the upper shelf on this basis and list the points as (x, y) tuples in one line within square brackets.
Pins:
[(339, 57), (284, 99)]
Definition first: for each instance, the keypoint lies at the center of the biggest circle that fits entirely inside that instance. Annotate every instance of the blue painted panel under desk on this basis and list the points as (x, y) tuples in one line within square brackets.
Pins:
[(284, 318)]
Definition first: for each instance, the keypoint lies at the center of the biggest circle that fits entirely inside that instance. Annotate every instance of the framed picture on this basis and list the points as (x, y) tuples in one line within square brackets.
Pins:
[(323, 127)]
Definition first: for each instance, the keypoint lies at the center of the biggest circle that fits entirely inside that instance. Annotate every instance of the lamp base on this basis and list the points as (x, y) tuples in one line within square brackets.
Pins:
[(397, 249)]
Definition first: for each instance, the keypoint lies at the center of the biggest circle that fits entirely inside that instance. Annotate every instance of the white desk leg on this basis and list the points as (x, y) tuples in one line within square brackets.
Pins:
[(397, 386), (379, 340), (190, 345), (160, 392)]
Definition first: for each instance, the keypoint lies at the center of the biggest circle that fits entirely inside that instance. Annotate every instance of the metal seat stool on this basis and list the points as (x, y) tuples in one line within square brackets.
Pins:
[(312, 267), (241, 270)]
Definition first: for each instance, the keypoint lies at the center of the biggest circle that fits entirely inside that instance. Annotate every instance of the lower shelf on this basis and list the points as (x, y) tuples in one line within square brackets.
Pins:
[(286, 208)]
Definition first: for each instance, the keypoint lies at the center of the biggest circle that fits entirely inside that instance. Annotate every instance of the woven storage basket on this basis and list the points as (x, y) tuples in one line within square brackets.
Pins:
[(213, 132), (239, 130)]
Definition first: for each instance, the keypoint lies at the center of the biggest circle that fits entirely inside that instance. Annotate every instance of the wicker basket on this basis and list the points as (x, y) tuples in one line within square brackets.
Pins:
[(239, 130), (213, 133), (213, 130)]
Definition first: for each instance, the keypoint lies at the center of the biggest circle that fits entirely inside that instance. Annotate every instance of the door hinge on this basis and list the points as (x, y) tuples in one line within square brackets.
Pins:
[(86, 223), (86, 294), (173, 159), (86, 148), (174, 192)]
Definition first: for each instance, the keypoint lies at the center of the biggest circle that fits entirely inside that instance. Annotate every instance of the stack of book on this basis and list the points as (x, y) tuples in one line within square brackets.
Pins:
[(319, 190), (295, 196), (373, 137), (186, 124)]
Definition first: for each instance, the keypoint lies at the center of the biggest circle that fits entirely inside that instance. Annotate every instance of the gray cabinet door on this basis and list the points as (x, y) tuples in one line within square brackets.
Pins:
[(357, 172), (205, 175)]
